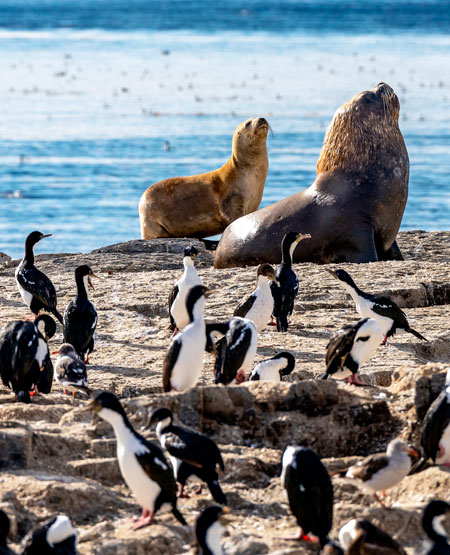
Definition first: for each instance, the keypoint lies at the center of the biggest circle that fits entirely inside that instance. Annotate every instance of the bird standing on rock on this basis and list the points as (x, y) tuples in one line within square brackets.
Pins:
[(273, 369), (235, 349), (350, 347), (382, 471), (80, 316), (70, 371), (209, 530), (379, 307), (35, 288), (190, 453), (258, 306), (285, 292), (309, 491), (142, 464), (24, 356), (183, 362), (179, 317), (434, 513)]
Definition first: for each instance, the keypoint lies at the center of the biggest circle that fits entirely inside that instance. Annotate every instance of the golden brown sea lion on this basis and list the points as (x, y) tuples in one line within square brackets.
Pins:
[(353, 209), (203, 205)]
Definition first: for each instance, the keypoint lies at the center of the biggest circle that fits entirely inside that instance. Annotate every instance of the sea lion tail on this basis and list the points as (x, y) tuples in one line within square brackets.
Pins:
[(417, 334)]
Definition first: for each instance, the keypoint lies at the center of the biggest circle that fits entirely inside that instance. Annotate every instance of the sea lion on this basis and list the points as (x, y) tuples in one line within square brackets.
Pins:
[(354, 208), (204, 205)]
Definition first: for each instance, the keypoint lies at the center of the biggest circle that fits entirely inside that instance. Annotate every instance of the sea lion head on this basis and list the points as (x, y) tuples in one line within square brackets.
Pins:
[(361, 129), (250, 138)]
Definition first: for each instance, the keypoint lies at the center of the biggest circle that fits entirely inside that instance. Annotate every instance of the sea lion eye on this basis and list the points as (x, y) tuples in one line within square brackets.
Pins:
[(370, 97)]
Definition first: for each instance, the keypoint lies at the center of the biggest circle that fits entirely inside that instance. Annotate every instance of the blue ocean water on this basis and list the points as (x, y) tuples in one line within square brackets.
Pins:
[(102, 98)]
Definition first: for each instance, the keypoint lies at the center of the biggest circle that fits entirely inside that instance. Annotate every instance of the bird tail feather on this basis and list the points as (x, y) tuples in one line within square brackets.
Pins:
[(57, 314), (176, 513), (417, 334), (324, 376), (216, 492), (282, 323)]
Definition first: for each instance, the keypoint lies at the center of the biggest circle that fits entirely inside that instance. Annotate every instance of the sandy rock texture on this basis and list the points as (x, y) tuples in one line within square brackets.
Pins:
[(53, 458)]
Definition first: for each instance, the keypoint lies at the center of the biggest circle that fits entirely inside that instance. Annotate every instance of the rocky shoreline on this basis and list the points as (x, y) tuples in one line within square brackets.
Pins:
[(53, 459)]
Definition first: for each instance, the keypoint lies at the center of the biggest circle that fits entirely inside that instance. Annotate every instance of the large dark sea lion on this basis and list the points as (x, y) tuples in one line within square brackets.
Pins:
[(204, 205), (354, 208)]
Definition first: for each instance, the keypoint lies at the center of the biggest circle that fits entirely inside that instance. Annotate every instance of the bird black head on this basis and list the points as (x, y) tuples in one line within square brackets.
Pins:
[(34, 237), (105, 400), (66, 348), (193, 296), (289, 242), (83, 271), (266, 270), (46, 326), (290, 362), (160, 414), (4, 528), (191, 251), (55, 536), (436, 508), (208, 517), (343, 276)]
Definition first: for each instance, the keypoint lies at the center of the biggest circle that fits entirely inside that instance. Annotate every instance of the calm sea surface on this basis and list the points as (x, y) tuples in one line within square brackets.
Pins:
[(102, 98)]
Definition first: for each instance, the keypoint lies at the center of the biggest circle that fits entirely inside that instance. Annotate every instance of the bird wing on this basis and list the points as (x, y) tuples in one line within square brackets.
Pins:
[(39, 285), (155, 465), (235, 353), (75, 373), (45, 381), (436, 420), (245, 306), (24, 351), (384, 306), (169, 362), (276, 294), (172, 296), (365, 469), (79, 323), (339, 346), (7, 339), (192, 447), (288, 291)]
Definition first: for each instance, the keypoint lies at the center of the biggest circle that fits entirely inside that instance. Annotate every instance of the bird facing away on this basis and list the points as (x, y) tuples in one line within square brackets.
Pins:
[(35, 288), (285, 292), (80, 316), (183, 362), (361, 536), (234, 343), (179, 317), (4, 531), (190, 453), (209, 529), (273, 369), (309, 491), (435, 512), (24, 356), (70, 371), (350, 347), (57, 536), (382, 471), (258, 306), (435, 439), (142, 464), (379, 307)]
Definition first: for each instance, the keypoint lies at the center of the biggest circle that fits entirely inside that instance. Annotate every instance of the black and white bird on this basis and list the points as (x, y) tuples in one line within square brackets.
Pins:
[(35, 288), (382, 471), (273, 369), (285, 293), (361, 536), (70, 371), (25, 358), (4, 531), (235, 344), (209, 529), (142, 463), (183, 362), (435, 441), (190, 453), (80, 316), (379, 307), (178, 314), (350, 347), (55, 537), (435, 512), (309, 491), (258, 306)]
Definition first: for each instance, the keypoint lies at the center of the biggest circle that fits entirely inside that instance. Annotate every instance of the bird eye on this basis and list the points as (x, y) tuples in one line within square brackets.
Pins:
[(364, 338)]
